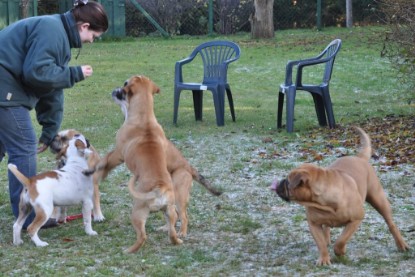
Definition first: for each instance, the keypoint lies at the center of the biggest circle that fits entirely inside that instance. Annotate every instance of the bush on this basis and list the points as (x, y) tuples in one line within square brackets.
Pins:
[(399, 43)]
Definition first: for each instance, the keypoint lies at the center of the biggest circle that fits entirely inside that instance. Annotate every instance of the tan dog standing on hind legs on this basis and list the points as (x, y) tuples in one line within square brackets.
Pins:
[(142, 144), (64, 187), (335, 197), (182, 173), (137, 111)]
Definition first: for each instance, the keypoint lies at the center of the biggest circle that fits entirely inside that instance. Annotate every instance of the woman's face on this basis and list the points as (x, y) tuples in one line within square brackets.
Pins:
[(86, 34)]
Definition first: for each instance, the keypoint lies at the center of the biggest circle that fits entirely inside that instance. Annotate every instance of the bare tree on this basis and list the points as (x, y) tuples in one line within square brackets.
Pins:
[(262, 20)]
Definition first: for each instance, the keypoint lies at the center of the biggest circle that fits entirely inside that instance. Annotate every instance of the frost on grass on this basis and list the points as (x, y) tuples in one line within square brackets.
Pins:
[(244, 167)]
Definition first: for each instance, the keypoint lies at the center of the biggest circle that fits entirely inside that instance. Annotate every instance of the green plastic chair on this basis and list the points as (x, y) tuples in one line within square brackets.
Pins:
[(216, 56), (320, 92)]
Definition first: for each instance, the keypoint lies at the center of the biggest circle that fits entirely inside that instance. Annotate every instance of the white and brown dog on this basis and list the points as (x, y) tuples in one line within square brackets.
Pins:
[(61, 141), (63, 187)]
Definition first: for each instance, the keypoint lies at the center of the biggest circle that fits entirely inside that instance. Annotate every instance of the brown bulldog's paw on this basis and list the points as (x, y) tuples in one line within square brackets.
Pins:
[(339, 249), (323, 260)]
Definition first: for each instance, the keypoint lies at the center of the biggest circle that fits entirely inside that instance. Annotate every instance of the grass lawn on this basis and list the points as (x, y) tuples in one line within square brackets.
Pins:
[(247, 231)]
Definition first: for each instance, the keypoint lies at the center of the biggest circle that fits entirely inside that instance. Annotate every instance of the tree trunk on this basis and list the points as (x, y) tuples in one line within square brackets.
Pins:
[(349, 14), (24, 8), (262, 19)]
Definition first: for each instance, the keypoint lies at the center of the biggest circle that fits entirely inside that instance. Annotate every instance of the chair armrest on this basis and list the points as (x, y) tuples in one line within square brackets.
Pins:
[(224, 69), (310, 62), (289, 72), (231, 60), (178, 72)]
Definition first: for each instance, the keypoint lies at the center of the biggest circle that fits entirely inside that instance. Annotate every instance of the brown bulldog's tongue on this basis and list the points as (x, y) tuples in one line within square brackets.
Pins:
[(274, 185)]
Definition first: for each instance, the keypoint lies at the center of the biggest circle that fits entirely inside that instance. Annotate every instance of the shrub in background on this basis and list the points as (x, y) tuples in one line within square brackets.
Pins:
[(399, 43)]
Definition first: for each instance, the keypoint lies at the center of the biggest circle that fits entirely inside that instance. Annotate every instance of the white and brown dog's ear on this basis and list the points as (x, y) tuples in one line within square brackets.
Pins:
[(82, 145)]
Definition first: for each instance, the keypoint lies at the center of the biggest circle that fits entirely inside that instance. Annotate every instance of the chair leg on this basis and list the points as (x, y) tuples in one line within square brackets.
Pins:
[(329, 108), (219, 102), (230, 99), (176, 105), (290, 108), (198, 104), (280, 108), (320, 110)]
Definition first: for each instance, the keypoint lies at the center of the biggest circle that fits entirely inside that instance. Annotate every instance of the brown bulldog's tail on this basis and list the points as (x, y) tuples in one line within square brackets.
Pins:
[(202, 180), (366, 147)]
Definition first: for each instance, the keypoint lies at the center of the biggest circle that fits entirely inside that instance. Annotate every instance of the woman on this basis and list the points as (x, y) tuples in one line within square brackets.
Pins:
[(34, 57)]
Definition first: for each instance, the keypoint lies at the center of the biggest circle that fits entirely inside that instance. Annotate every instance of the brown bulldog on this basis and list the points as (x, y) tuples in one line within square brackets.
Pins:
[(335, 196)]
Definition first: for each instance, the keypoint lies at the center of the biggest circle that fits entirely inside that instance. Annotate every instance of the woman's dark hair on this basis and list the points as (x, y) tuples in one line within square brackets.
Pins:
[(92, 13)]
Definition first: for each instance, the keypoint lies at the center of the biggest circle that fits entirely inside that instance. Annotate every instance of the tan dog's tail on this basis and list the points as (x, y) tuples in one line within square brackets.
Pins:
[(366, 146), (202, 180), (138, 195), (23, 179)]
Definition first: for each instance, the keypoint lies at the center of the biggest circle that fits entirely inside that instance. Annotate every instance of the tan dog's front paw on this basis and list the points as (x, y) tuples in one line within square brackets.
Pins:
[(177, 241), (339, 249), (182, 234), (402, 246), (98, 217), (323, 261)]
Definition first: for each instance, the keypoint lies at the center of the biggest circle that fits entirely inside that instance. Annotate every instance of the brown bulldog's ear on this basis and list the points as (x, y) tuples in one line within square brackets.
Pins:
[(297, 177)]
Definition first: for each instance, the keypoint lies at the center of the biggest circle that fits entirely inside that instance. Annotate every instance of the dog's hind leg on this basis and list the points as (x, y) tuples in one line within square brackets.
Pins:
[(24, 210), (98, 216), (42, 215), (182, 182), (382, 205), (86, 213), (171, 218), (138, 219), (348, 231)]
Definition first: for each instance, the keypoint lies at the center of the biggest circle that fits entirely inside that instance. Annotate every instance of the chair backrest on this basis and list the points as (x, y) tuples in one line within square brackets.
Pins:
[(216, 55), (330, 54)]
